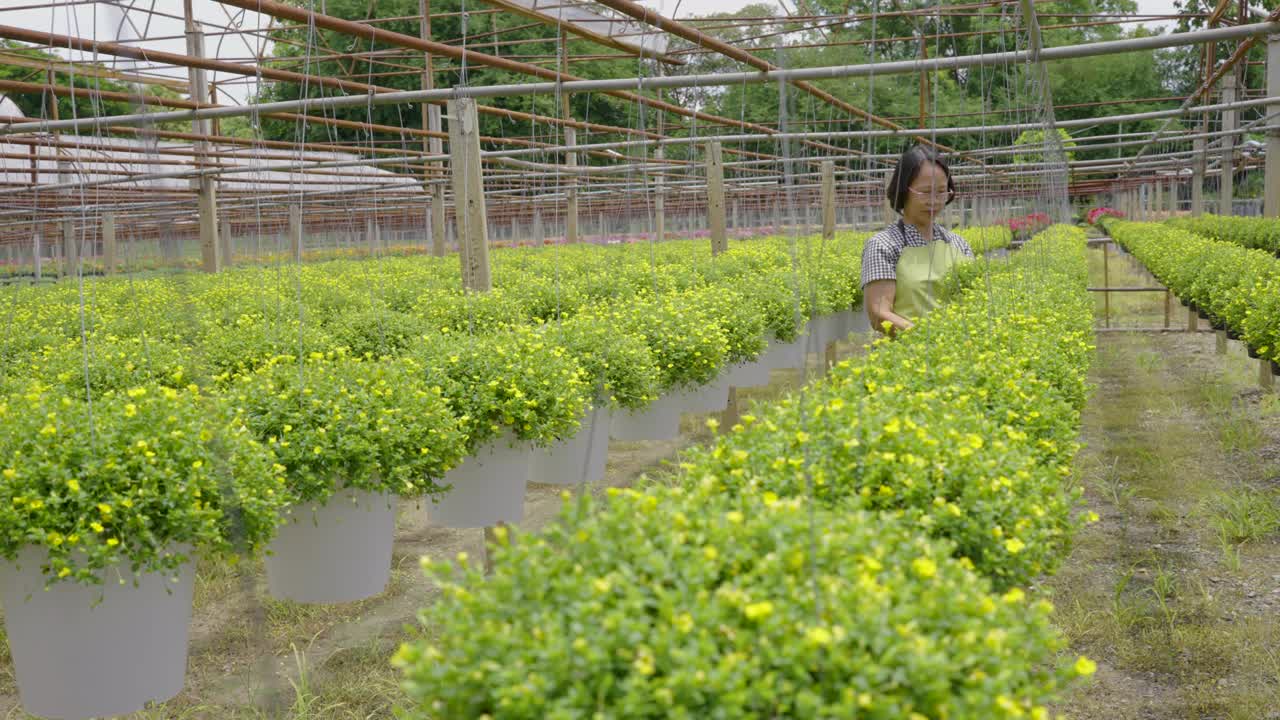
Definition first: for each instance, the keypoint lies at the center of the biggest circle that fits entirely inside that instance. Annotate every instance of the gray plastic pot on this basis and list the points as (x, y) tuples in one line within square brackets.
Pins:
[(335, 551), (710, 398), (82, 651), (750, 374), (659, 421), (488, 486), (579, 459)]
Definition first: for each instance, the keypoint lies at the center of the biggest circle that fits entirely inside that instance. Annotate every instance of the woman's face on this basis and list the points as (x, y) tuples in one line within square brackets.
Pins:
[(926, 195)]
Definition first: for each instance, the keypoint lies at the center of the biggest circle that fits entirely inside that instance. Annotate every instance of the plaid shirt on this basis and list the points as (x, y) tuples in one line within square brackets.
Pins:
[(881, 252)]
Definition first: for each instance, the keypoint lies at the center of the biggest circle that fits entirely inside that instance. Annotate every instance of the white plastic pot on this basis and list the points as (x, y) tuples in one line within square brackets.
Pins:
[(659, 421), (336, 551), (579, 459), (488, 486), (95, 651)]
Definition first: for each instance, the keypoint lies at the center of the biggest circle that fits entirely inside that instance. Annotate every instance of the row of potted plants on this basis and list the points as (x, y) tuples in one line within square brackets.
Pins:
[(856, 550), (1251, 232), (1098, 213), (1237, 289), (987, 238), (203, 442)]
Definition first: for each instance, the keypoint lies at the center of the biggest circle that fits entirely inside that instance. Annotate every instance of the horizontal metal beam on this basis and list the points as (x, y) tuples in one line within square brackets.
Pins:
[(639, 84)]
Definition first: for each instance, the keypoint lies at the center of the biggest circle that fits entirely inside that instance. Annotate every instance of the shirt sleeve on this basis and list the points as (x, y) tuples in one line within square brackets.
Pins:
[(879, 260), (960, 243)]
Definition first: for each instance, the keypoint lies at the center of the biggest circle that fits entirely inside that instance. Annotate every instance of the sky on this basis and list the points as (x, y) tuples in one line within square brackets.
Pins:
[(107, 22)]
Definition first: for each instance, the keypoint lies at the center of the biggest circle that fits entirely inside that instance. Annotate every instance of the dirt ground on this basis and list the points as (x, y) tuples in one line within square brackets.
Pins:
[(1175, 591)]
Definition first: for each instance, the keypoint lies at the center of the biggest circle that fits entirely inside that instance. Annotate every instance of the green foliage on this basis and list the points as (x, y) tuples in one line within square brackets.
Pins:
[(128, 479), (333, 420), (38, 105), (683, 603), (1237, 287), (762, 581), (1037, 148)]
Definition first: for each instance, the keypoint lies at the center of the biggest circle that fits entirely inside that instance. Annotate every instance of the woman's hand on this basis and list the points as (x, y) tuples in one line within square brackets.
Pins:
[(878, 296)]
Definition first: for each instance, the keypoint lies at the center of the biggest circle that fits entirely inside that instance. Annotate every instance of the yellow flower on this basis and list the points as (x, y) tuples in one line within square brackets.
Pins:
[(734, 516), (924, 567), (818, 636), (601, 585), (1085, 667), (1013, 596), (96, 527), (104, 508), (756, 611), (73, 485), (1014, 546), (10, 473), (710, 553), (112, 542)]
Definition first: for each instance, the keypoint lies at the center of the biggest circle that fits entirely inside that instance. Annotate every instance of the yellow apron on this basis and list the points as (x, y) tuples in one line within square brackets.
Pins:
[(920, 271)]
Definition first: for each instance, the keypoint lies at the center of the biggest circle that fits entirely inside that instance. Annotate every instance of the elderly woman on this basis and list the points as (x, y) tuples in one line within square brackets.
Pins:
[(902, 265)]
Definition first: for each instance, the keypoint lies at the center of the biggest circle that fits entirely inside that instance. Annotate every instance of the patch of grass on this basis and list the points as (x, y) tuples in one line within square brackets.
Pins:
[(1244, 515)]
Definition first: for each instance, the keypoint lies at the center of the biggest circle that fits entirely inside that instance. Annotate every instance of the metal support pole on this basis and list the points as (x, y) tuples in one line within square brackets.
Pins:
[(1226, 179), (828, 199), (468, 193), (715, 198), (1157, 203)]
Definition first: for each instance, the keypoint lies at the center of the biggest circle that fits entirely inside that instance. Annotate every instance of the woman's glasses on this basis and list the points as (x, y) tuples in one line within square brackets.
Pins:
[(930, 194)]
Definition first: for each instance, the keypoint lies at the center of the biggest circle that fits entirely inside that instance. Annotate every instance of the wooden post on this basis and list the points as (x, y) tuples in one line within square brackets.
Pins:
[(1265, 377), (37, 253), (468, 194), (207, 201), (434, 144), (1226, 179), (571, 206), (70, 250), (1168, 304), (828, 199), (1193, 320), (1197, 177), (1220, 342), (295, 231), (715, 198), (660, 199), (1106, 284), (109, 255), (1271, 203)]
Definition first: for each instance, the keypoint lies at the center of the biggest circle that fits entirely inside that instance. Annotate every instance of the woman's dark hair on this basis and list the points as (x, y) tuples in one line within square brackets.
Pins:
[(909, 166)]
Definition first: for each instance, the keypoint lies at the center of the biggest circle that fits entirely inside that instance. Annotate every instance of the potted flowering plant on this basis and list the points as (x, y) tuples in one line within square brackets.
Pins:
[(353, 434), (510, 390), (620, 373), (688, 347), (103, 509)]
